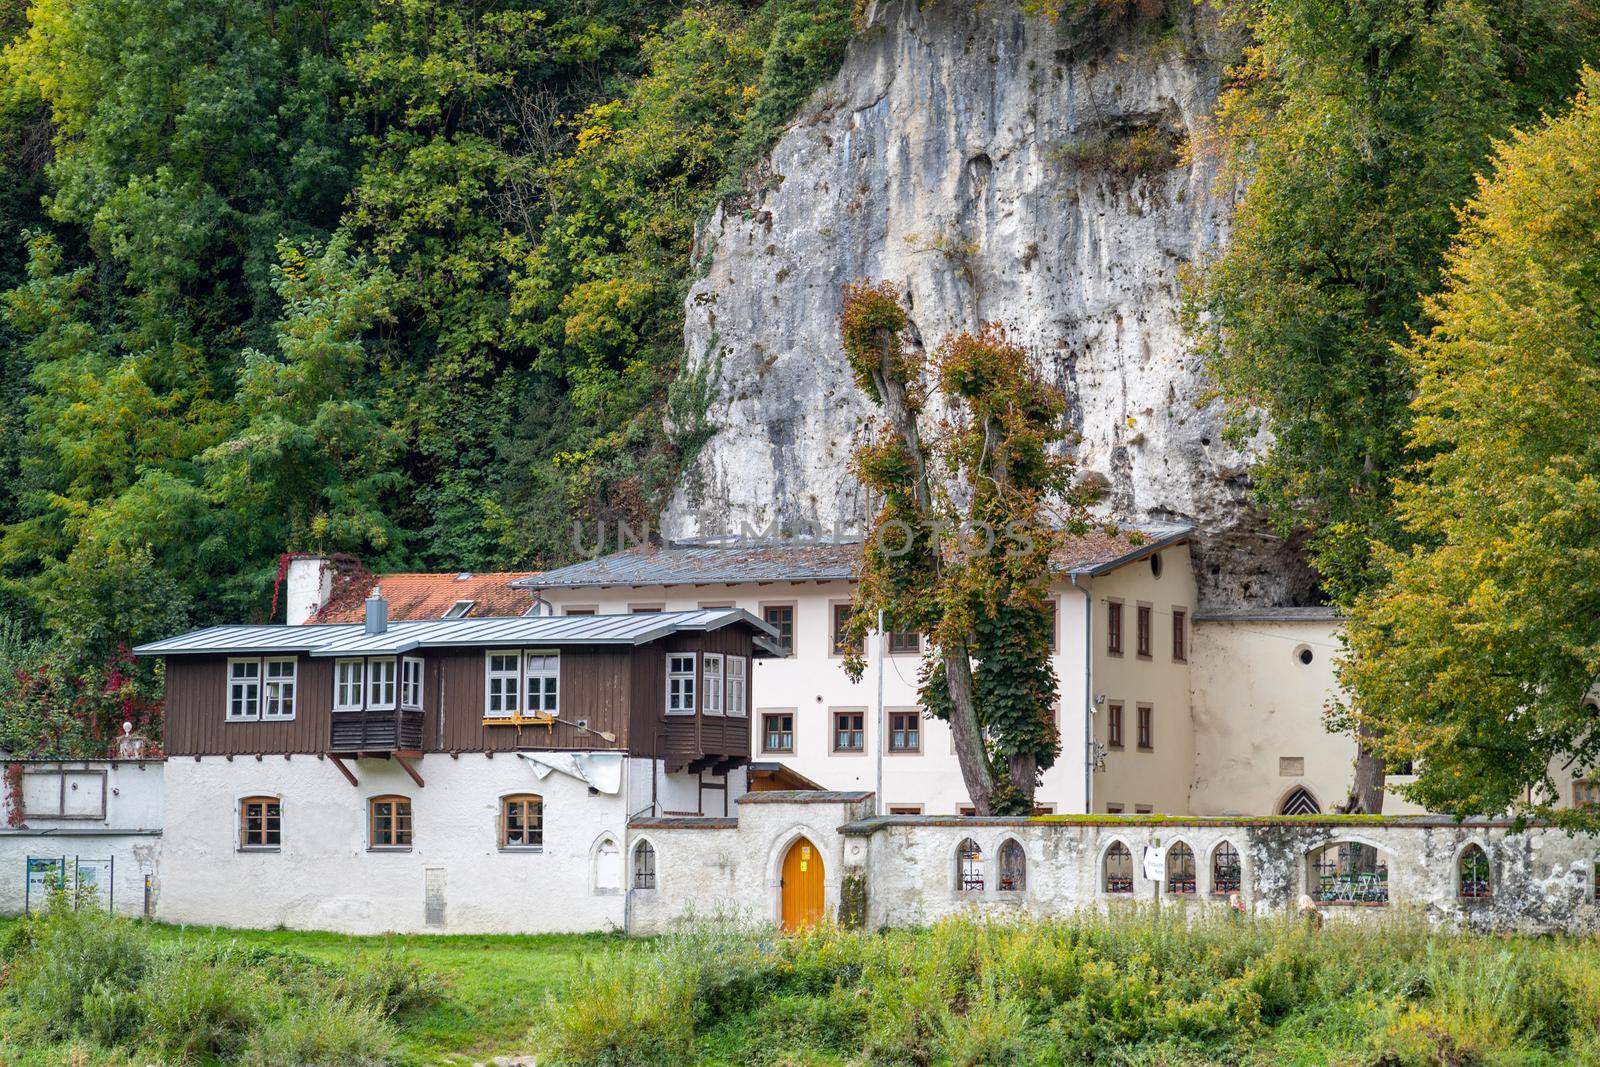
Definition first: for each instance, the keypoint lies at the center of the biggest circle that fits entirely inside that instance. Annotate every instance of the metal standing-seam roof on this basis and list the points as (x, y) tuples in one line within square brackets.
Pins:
[(402, 637), (1089, 553)]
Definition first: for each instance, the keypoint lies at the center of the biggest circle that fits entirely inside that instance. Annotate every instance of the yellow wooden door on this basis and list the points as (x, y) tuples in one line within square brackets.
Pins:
[(802, 885)]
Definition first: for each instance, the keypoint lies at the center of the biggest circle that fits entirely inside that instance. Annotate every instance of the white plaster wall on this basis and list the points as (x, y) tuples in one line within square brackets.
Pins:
[(324, 877), (134, 856), (1159, 778), (306, 587), (1255, 704), (733, 874), (812, 684), (133, 794)]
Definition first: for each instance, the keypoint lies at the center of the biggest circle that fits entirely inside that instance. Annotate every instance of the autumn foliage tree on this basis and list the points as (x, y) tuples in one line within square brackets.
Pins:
[(974, 499), (1477, 660)]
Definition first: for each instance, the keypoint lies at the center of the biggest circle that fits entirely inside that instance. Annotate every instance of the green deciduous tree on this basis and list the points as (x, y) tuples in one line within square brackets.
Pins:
[(985, 473), (310, 464), (1358, 128), (1476, 658)]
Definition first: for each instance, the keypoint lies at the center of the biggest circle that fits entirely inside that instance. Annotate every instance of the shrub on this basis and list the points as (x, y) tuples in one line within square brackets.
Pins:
[(66, 963), (72, 975), (327, 1030), (394, 982), (1125, 154), (194, 1008), (622, 1009), (992, 1029)]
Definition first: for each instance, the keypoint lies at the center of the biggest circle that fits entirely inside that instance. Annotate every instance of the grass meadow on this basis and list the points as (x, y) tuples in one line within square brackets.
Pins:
[(1137, 988)]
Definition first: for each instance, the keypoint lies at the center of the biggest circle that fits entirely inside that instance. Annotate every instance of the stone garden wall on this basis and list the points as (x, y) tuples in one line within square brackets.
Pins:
[(912, 870)]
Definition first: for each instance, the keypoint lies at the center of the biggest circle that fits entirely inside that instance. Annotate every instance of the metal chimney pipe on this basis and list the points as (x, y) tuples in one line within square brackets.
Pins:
[(377, 612)]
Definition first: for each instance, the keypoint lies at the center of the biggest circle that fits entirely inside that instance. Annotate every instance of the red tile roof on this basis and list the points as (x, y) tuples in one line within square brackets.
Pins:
[(414, 597)]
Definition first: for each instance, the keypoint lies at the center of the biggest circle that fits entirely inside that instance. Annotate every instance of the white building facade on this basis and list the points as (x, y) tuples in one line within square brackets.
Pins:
[(1123, 705)]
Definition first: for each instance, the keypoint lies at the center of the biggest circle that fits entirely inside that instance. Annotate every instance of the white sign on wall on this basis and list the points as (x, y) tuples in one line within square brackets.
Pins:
[(1155, 863)]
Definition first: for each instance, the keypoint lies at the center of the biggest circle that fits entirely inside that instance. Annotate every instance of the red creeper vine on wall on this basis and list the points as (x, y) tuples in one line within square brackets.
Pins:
[(13, 779)]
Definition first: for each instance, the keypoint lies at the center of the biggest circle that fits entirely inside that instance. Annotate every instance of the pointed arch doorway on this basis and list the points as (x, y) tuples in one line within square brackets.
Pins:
[(802, 885)]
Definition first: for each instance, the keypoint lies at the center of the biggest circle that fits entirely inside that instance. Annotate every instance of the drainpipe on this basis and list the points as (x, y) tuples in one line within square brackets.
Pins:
[(883, 727), (1088, 696)]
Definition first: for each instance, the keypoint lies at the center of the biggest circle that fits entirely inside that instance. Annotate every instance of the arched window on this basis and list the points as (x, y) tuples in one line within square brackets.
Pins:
[(607, 867), (1180, 870), (1300, 802), (1347, 872), (644, 865), (260, 822), (389, 822), (969, 866), (1013, 866), (1118, 869), (1474, 871), (1225, 870), (522, 821)]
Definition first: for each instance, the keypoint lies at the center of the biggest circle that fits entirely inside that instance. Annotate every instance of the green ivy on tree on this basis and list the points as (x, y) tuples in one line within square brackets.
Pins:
[(987, 474)]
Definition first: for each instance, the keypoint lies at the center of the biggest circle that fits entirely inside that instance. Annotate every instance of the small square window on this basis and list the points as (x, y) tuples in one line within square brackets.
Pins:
[(389, 823), (781, 618), (905, 731), (777, 732), (522, 822), (260, 823), (849, 731), (459, 609), (902, 642)]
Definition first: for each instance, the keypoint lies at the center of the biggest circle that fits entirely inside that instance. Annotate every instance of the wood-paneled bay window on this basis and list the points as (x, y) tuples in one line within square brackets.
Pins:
[(411, 684), (381, 682), (711, 671), (738, 701), (681, 683)]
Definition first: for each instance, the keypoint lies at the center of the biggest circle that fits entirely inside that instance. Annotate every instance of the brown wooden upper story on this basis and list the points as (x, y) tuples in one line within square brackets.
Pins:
[(672, 686)]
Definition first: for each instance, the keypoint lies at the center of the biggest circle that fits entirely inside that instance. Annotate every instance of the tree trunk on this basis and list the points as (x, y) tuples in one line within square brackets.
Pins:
[(970, 752), (1023, 769), (971, 755), (1366, 789)]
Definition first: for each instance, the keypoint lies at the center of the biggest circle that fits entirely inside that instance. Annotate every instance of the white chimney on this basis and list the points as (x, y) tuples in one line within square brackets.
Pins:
[(307, 587), (377, 612)]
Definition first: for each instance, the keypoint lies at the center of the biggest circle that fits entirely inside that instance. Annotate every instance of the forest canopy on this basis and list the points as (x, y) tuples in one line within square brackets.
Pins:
[(401, 278)]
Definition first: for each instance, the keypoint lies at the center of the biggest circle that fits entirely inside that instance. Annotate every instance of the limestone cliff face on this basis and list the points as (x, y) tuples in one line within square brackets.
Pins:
[(960, 153)]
